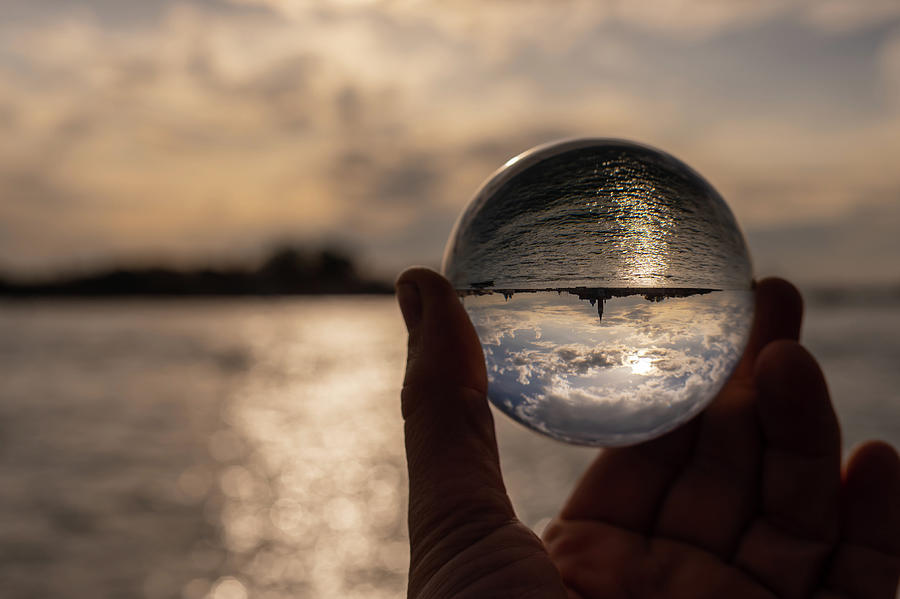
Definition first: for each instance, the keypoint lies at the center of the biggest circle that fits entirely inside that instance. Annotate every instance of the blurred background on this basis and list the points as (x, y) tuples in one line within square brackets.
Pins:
[(203, 203)]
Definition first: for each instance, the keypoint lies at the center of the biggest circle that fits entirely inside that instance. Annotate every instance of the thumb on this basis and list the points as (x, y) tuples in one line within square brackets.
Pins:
[(456, 492)]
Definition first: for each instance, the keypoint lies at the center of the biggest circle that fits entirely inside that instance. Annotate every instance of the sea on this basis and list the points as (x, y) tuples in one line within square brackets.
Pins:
[(235, 448)]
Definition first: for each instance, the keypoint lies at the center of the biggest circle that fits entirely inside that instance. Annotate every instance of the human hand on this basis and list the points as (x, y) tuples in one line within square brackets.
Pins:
[(747, 500)]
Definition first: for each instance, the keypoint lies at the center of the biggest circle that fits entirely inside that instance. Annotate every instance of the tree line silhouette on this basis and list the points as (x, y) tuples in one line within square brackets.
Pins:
[(286, 271)]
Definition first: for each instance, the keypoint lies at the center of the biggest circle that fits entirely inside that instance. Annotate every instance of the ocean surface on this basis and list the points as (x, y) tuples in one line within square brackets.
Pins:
[(252, 448)]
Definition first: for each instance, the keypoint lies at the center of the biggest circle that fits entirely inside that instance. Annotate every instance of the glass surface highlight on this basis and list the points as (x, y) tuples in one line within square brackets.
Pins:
[(610, 286)]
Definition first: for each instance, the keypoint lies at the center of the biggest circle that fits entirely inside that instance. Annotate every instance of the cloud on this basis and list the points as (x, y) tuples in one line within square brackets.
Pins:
[(553, 366), (399, 179), (690, 20), (113, 12)]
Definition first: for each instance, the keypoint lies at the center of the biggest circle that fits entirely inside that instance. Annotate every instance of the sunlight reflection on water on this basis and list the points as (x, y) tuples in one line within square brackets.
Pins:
[(324, 470)]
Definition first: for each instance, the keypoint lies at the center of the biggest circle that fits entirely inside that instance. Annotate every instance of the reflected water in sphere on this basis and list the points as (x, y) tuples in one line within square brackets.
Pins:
[(610, 286)]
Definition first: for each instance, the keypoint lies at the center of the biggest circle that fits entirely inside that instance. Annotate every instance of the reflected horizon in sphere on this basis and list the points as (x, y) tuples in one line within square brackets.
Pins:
[(610, 287)]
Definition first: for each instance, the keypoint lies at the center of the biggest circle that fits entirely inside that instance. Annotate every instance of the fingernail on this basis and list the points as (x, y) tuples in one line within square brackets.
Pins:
[(410, 304)]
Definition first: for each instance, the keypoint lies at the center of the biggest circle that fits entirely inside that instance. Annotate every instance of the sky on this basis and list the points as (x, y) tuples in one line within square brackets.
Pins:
[(184, 130), (645, 367)]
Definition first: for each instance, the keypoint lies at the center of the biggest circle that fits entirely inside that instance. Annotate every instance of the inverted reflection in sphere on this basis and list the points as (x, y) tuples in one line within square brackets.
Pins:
[(610, 287)]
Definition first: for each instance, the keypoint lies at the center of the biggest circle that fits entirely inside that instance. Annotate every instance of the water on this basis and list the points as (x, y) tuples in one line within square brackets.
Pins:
[(193, 449), (199, 448), (606, 221)]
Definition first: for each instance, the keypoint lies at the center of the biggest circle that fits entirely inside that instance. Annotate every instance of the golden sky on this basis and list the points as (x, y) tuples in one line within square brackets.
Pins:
[(189, 129)]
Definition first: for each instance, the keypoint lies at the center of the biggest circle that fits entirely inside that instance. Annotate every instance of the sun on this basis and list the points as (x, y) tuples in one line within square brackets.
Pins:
[(642, 366)]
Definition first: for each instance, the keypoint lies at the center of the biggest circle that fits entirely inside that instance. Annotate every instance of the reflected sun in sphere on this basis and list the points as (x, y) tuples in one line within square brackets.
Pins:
[(640, 365)]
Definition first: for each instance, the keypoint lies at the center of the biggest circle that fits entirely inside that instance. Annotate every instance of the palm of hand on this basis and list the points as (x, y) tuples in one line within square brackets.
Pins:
[(716, 509)]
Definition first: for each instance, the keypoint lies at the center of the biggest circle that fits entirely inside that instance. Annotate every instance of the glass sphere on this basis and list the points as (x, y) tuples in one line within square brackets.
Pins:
[(610, 286)]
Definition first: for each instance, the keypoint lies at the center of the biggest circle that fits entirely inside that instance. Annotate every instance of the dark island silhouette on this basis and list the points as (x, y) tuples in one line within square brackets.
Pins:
[(595, 295), (287, 271), (298, 270)]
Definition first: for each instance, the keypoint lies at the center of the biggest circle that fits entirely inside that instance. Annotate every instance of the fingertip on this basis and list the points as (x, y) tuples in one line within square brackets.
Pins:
[(444, 347), (878, 452), (782, 292), (437, 297), (412, 275), (872, 497), (424, 278), (874, 466), (779, 308)]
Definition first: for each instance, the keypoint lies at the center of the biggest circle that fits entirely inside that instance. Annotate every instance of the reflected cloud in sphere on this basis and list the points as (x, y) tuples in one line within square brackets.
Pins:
[(557, 368)]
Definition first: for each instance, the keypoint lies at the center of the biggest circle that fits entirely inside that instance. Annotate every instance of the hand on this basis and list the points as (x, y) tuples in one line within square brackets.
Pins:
[(745, 501)]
